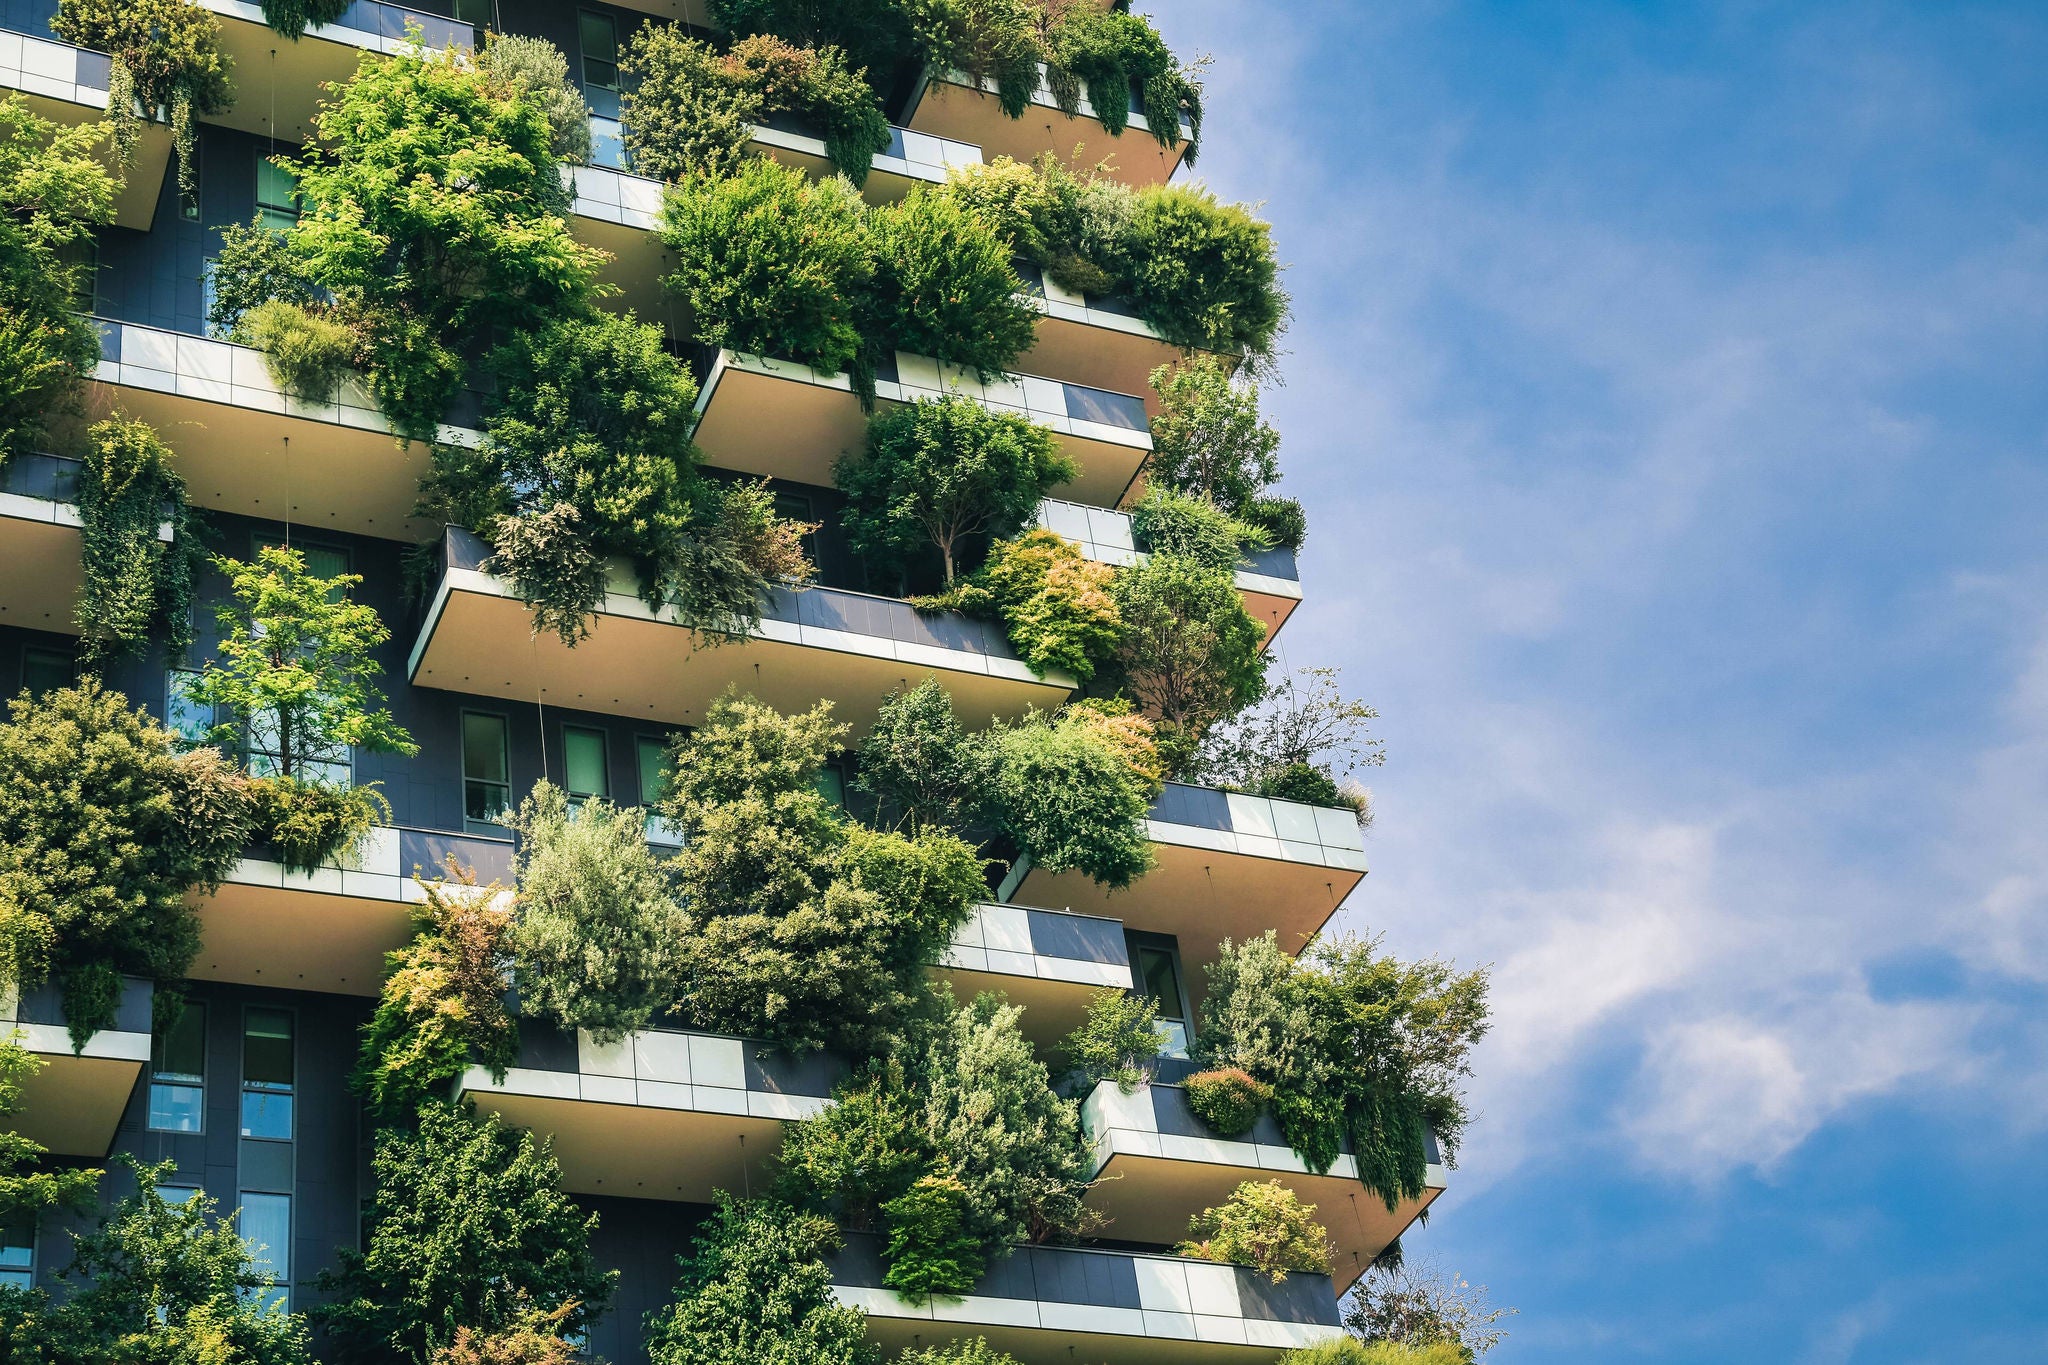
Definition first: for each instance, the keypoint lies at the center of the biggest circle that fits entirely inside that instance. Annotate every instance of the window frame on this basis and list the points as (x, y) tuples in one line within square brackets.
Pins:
[(288, 1090), (603, 791), (197, 1080), (473, 825), (1139, 942)]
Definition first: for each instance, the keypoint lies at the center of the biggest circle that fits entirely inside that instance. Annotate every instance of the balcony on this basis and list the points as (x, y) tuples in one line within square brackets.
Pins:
[(619, 212), (662, 1114), (40, 574), (815, 644), (328, 930), (1045, 1304), (1158, 1165), (279, 83), (951, 105), (74, 1104), (1092, 340), (1050, 962), (1268, 581), (68, 86), (776, 417), (243, 445), (1230, 866)]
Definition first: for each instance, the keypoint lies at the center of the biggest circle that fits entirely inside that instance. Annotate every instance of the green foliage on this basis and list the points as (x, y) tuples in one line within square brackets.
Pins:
[(1295, 743), (1208, 439), (1056, 604), (1433, 1316), (167, 53), (442, 1006), (1284, 520), (535, 71), (1118, 1041), (1203, 273), (1228, 1099), (136, 587), (255, 266), (293, 17), (877, 36), (975, 1351), (773, 77), (430, 194), (30, 1188), (1068, 792), (468, 1228), (930, 1249), (769, 263), (166, 1283), (685, 114), (941, 470), (307, 351), (944, 286), (1355, 1044), (100, 839), (1114, 51), (1264, 1225), (1193, 528), (757, 1289), (1190, 654), (296, 672), (54, 192), (807, 932), (308, 823), (597, 942), (920, 764), (548, 559), (864, 1151), (1351, 1351)]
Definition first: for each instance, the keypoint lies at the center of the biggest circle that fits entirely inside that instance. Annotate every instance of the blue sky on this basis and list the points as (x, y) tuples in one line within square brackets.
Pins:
[(1667, 391)]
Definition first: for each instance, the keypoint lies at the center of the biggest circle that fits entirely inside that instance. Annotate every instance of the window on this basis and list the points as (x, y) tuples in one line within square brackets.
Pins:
[(584, 765), (1158, 976), (277, 195), (475, 12), (267, 1070), (832, 785), (177, 1074), (796, 507), (176, 1194), (184, 717), (486, 777), (652, 755), (45, 670), (18, 1255), (266, 1225), (599, 36)]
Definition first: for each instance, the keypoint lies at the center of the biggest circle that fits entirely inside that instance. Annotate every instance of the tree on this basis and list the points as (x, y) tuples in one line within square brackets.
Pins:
[(757, 1289), (1054, 602), (1203, 272), (1209, 439), (104, 829), (1074, 794), (165, 1283), (599, 934), (1190, 654), (135, 585), (877, 36), (1264, 1225), (939, 470), (920, 765), (1296, 743), (442, 1004), (468, 1228), (1418, 1307), (535, 71), (54, 191), (297, 669), (944, 286), (1118, 1041), (255, 266)]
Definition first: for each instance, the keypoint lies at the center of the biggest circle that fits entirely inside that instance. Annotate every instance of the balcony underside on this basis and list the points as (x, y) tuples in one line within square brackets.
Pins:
[(142, 180), (74, 1104), (1071, 1345), (1269, 609), (39, 573), (481, 642), (1052, 1009), (1103, 356), (964, 114), (299, 939), (638, 261), (645, 1153)]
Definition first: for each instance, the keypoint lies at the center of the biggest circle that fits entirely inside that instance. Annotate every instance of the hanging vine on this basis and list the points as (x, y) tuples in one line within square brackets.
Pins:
[(168, 58), (137, 585)]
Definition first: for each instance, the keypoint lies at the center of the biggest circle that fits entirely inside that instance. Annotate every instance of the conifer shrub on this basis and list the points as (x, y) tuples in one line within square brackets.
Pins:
[(1263, 1225), (1118, 1041), (1228, 1099), (136, 587)]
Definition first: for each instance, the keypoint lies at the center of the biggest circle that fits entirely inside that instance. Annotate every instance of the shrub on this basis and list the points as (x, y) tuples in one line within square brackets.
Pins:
[(1190, 654), (1118, 1041), (919, 764), (547, 558), (100, 841), (441, 1005), (684, 113), (598, 937), (1303, 782), (135, 586), (1055, 603), (816, 85), (877, 36), (309, 823), (1209, 439), (1422, 1311), (769, 263), (930, 1250), (867, 1149), (535, 71), (535, 1338), (307, 352), (1293, 744), (939, 471), (1265, 1226), (976, 1351), (1071, 795), (1227, 1099), (1282, 519), (294, 17), (1203, 273), (944, 286), (1114, 52), (169, 56), (254, 266), (171, 1281), (1351, 1351), (756, 1288), (1033, 207), (1194, 529), (468, 1228)]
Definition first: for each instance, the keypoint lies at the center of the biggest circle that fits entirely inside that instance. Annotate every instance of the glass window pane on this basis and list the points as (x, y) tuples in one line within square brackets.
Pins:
[(175, 1107), (832, 786), (267, 1114), (186, 718), (266, 1225), (483, 748), (267, 1047), (1162, 982), (175, 1194), (584, 762), (45, 670), (599, 36), (653, 755), (180, 1054)]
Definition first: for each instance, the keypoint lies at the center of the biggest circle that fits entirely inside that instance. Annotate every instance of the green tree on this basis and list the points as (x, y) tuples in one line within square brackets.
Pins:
[(920, 765), (931, 1250), (167, 57), (104, 828), (54, 192), (441, 1007), (769, 263), (535, 71), (757, 1289), (1112, 51), (1263, 1225), (944, 286), (1296, 743), (1203, 272), (865, 1150), (297, 667), (598, 941), (685, 113), (1069, 792), (1193, 528), (973, 1351), (1190, 654), (1422, 1308), (1118, 1041), (469, 1228), (1209, 439), (1054, 602), (877, 36), (166, 1283), (939, 471)]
